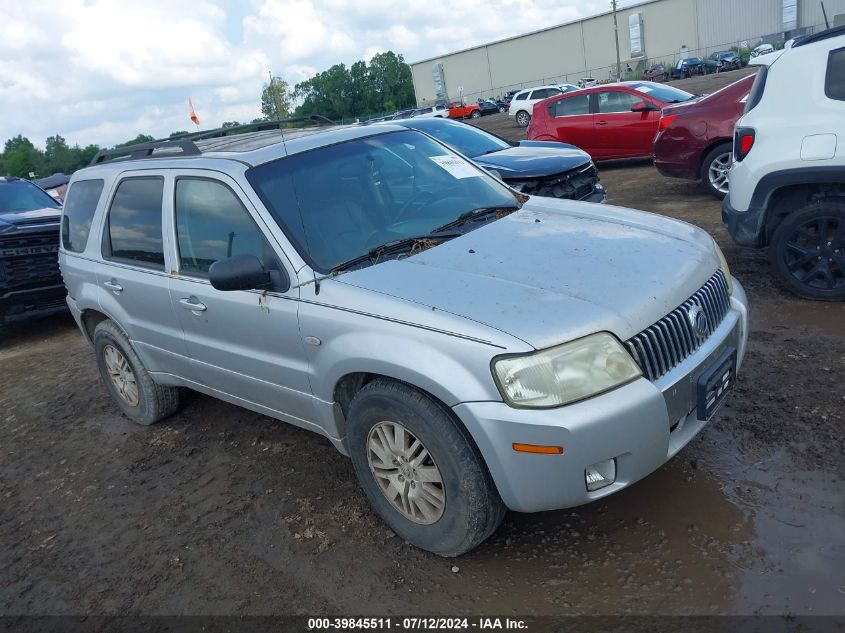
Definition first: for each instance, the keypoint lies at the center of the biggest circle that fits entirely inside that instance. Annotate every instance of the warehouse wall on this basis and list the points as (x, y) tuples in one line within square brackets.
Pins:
[(721, 23), (810, 11)]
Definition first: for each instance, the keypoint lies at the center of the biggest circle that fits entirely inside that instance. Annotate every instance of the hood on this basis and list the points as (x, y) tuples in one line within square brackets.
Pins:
[(29, 219), (554, 271), (533, 161)]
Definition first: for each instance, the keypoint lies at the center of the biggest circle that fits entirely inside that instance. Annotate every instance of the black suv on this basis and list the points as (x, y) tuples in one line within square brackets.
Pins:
[(30, 283)]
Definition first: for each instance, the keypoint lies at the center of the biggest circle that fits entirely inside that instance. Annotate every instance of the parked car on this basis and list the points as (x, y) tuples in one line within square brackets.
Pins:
[(470, 349), (523, 102), (694, 139), (535, 168), (55, 186), (658, 72), (726, 60), (587, 82), (488, 107), (762, 49), (461, 110), (509, 96), (787, 183), (436, 111), (30, 284), (609, 121), (688, 67)]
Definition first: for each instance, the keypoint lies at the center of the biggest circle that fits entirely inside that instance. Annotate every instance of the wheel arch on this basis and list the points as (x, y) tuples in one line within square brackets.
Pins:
[(713, 145)]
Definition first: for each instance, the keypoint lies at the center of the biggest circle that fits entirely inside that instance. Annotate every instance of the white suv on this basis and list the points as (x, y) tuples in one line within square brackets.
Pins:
[(436, 111), (522, 104), (787, 183)]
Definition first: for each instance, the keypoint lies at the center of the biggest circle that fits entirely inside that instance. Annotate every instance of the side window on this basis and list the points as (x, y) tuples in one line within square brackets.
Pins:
[(551, 92), (834, 81), (78, 213), (570, 106), (616, 101), (522, 96), (133, 229), (542, 93), (212, 224)]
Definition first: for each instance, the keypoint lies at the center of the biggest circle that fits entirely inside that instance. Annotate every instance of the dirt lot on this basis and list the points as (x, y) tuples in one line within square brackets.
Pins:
[(221, 511)]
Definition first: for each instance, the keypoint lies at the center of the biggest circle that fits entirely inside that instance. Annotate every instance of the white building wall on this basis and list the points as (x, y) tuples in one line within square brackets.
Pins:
[(810, 12)]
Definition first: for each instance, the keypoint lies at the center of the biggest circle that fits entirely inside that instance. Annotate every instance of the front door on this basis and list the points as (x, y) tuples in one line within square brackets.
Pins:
[(571, 121), (242, 343), (621, 133)]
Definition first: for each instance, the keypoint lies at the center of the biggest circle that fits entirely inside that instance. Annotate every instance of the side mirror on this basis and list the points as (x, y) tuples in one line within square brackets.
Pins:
[(642, 106), (242, 272)]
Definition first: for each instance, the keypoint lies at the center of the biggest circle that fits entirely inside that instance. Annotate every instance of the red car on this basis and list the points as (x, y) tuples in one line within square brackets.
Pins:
[(694, 140), (608, 121)]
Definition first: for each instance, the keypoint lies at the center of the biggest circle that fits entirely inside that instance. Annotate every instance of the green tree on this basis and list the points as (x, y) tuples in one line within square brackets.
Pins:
[(391, 79), (275, 99), (58, 156), (230, 124), (141, 138), (178, 133), (21, 157)]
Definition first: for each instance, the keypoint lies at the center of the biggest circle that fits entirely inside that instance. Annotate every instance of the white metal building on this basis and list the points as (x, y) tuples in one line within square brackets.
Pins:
[(649, 32)]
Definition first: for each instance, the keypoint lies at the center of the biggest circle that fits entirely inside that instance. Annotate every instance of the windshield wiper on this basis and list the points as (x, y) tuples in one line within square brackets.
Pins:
[(476, 214), (374, 254)]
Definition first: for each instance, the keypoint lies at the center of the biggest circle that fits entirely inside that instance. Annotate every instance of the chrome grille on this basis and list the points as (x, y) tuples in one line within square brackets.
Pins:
[(664, 345)]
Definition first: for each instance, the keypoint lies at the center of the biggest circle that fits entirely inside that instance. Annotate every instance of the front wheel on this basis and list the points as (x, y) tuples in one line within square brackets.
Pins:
[(475, 114), (715, 168), (523, 118), (420, 469), (502, 109), (808, 250)]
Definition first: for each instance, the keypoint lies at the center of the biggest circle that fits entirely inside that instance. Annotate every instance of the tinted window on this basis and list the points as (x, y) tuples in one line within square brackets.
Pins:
[(543, 93), (576, 104), (616, 101), (522, 96), (757, 89), (80, 204), (22, 195), (666, 94), (338, 202), (834, 83), (133, 233), (212, 224), (466, 139)]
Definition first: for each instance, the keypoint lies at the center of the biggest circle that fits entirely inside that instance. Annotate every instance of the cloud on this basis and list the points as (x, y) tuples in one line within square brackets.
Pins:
[(103, 71)]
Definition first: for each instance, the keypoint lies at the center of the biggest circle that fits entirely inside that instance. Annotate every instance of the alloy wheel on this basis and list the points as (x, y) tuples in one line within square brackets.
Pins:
[(522, 118), (815, 253), (718, 172), (406, 473), (121, 375)]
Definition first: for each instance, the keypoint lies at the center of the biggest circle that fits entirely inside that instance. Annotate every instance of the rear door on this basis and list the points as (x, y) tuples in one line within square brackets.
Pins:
[(619, 132), (244, 343), (571, 121)]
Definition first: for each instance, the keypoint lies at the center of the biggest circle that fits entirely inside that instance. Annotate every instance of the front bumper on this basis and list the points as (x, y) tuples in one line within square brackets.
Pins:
[(22, 304), (642, 425), (745, 227)]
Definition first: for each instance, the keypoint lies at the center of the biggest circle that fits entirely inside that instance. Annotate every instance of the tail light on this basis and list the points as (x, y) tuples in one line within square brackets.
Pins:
[(665, 121), (743, 142)]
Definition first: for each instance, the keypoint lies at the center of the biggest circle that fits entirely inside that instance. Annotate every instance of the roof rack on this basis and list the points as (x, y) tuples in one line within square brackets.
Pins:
[(821, 35), (185, 145)]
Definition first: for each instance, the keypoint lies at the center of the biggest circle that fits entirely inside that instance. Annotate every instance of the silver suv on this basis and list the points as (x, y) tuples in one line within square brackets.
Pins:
[(470, 348)]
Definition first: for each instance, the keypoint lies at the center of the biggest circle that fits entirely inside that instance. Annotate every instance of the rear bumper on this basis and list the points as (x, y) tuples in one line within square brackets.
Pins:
[(638, 425), (675, 170), (745, 227), (19, 305)]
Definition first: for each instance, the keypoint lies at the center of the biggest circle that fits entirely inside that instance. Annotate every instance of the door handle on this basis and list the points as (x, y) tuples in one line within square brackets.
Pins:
[(112, 285), (601, 122), (191, 303)]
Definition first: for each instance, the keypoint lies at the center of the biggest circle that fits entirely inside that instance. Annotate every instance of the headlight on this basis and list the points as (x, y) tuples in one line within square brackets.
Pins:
[(566, 373), (723, 264)]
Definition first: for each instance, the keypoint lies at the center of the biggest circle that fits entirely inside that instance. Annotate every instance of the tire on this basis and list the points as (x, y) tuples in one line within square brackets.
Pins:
[(523, 118), (474, 114), (471, 508), (807, 250), (714, 169), (152, 402), (502, 109)]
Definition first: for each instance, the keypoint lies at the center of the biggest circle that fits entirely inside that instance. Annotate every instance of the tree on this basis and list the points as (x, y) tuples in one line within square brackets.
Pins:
[(20, 157), (141, 138), (230, 124), (58, 156), (178, 133), (391, 78), (275, 99)]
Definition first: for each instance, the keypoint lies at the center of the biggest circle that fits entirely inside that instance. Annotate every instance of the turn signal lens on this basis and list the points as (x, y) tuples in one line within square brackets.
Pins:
[(666, 121), (537, 448)]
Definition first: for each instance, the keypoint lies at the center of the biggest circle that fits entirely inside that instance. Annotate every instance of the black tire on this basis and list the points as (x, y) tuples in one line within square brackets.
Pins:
[(807, 250), (523, 118), (154, 401), (722, 151), (474, 114), (473, 509)]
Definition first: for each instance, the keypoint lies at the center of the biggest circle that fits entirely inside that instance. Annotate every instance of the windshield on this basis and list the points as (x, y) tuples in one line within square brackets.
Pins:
[(20, 195), (469, 141), (341, 201), (666, 94)]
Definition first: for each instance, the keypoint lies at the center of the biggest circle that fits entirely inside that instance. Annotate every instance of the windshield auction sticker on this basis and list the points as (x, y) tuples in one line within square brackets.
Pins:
[(457, 167)]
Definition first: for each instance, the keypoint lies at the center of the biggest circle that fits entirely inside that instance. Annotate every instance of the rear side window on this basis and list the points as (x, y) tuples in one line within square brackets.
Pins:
[(522, 96), (80, 204), (571, 106), (757, 89), (133, 230), (212, 224), (834, 81)]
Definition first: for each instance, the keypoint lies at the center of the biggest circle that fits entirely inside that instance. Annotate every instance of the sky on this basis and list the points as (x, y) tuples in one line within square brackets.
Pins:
[(103, 71)]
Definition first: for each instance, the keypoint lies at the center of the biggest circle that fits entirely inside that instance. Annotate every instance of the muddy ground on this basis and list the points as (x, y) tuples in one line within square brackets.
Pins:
[(221, 511)]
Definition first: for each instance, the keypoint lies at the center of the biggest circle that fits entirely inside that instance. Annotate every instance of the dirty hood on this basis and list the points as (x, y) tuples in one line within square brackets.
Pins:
[(554, 271)]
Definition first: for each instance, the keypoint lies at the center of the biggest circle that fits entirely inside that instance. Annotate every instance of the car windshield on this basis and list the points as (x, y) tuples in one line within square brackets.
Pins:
[(466, 139), (340, 202), (20, 195), (666, 94)]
